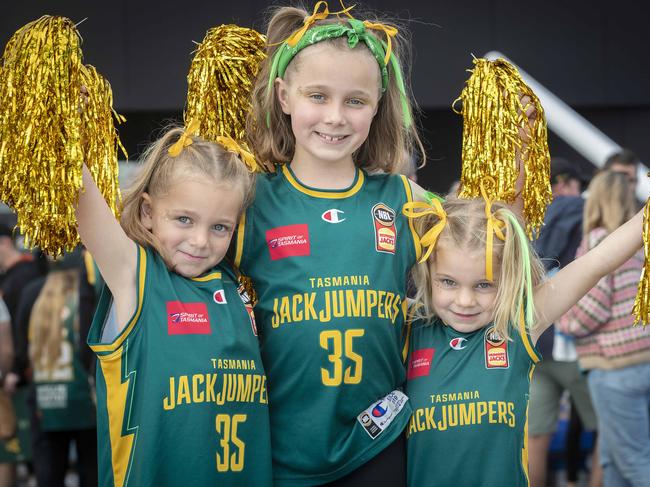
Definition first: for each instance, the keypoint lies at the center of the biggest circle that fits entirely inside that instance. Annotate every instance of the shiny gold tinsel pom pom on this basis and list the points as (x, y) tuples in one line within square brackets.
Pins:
[(641, 308), (47, 133), (494, 121), (221, 79)]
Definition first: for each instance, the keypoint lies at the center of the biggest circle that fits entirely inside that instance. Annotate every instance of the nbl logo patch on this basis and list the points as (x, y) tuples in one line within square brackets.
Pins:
[(187, 318), (383, 218), (496, 350), (288, 241), (420, 363)]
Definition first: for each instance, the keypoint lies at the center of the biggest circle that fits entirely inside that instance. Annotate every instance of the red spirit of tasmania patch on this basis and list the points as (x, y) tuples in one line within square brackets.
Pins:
[(420, 363), (288, 241), (187, 318)]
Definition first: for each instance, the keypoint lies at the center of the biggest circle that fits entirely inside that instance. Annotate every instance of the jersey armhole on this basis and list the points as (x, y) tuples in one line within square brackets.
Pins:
[(104, 350), (525, 339), (414, 235)]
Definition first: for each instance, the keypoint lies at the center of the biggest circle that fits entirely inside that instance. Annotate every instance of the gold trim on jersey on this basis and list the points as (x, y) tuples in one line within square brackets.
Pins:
[(113, 367), (209, 277), (239, 249), (409, 198), (335, 195), (142, 272), (408, 324), (525, 338), (524, 451)]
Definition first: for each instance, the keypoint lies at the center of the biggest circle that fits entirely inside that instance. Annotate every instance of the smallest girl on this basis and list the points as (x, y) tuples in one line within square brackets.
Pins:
[(181, 390), (482, 305)]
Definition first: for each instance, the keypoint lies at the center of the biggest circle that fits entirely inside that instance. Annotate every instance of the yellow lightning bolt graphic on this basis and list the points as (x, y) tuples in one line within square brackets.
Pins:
[(122, 436)]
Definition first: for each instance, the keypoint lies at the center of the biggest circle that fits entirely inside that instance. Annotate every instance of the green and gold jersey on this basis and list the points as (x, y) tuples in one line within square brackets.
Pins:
[(63, 396), (181, 391), (329, 269), (469, 393)]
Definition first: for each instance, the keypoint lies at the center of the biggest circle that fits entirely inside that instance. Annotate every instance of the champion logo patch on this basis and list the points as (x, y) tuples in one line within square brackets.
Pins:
[(288, 241), (333, 216), (385, 233), (187, 318), (219, 297), (420, 363), (458, 343)]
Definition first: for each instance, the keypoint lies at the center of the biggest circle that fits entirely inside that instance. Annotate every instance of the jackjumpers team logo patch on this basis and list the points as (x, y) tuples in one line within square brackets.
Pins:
[(420, 363), (496, 350), (288, 241), (385, 234), (187, 318), (243, 294)]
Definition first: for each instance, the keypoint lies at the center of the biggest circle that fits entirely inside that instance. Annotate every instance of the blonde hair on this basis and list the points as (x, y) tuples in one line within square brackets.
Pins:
[(389, 145), (610, 202), (46, 320), (466, 228), (159, 170)]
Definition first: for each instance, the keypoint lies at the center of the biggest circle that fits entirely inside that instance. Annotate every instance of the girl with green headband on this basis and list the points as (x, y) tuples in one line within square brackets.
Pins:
[(327, 248), (480, 307)]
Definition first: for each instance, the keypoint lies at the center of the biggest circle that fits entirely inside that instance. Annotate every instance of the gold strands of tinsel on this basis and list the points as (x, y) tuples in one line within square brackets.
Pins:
[(101, 152), (220, 81), (641, 308), (43, 130), (493, 119)]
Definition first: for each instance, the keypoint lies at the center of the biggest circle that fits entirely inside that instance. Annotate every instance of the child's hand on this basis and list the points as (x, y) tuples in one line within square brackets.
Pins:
[(84, 99), (531, 114)]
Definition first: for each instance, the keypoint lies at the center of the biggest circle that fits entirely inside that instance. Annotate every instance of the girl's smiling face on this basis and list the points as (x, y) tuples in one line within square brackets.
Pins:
[(331, 95), (461, 295)]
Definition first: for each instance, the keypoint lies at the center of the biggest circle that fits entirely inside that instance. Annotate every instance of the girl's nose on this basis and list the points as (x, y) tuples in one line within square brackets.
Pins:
[(334, 114), (199, 237), (465, 297)]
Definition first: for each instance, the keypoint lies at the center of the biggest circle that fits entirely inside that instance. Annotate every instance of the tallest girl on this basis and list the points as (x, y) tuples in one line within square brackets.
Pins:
[(327, 247)]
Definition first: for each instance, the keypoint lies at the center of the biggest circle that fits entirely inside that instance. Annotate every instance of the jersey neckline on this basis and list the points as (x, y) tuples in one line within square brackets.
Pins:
[(353, 189)]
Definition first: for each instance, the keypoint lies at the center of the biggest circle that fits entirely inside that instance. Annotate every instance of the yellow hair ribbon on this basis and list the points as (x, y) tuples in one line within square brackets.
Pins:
[(185, 139), (390, 32), (231, 145), (293, 39), (430, 237), (494, 227)]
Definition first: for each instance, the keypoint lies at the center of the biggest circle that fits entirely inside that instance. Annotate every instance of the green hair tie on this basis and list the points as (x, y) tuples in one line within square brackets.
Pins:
[(356, 32)]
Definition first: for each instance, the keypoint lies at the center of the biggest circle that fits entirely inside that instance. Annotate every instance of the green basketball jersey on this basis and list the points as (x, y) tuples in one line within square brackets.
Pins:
[(329, 269), (181, 391), (63, 396), (469, 393)]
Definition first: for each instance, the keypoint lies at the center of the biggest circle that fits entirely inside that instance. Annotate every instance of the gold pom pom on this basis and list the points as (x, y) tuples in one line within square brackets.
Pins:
[(494, 120), (45, 131), (641, 308), (220, 81)]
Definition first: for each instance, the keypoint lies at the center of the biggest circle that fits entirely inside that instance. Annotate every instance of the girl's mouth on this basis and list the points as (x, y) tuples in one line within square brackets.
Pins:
[(331, 138)]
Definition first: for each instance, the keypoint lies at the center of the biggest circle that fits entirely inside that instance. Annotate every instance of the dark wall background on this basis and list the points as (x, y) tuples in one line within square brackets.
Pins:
[(594, 55)]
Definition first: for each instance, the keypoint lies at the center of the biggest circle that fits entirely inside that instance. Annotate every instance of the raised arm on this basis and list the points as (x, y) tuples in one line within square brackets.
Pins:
[(558, 294), (114, 252)]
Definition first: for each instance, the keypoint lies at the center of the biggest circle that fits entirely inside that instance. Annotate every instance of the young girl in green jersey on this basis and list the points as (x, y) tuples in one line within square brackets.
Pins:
[(326, 246), (482, 304), (181, 390)]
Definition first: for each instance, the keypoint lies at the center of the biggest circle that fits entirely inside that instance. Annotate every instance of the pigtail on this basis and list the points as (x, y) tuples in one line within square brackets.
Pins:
[(273, 142), (520, 272)]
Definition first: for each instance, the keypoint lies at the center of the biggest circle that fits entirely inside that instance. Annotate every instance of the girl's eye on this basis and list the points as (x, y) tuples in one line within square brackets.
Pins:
[(317, 97), (220, 228), (484, 285), (447, 282), (356, 102), (184, 219)]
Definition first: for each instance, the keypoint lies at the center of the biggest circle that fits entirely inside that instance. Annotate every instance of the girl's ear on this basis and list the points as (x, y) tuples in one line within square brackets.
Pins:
[(146, 213), (282, 92)]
